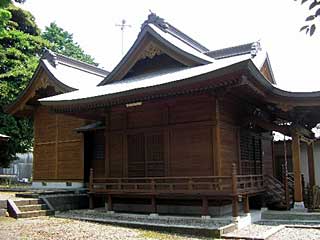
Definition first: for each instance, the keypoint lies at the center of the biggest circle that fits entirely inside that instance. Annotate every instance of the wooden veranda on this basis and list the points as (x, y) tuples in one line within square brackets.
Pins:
[(232, 187)]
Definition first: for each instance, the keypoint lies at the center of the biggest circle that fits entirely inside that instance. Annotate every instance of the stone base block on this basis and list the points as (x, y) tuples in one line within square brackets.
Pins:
[(299, 207)]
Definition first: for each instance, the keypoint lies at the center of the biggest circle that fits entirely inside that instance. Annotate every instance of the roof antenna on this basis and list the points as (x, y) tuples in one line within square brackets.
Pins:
[(122, 26)]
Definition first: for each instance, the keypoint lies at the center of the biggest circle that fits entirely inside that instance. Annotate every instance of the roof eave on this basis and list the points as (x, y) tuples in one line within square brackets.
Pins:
[(15, 107), (237, 67)]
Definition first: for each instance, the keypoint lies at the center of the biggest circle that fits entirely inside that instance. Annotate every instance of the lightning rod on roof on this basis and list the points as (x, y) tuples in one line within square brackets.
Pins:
[(122, 26)]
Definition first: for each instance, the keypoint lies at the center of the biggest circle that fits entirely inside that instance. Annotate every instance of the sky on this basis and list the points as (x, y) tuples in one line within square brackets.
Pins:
[(214, 23)]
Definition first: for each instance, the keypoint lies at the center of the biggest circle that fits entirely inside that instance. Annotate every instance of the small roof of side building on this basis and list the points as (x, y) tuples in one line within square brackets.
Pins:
[(4, 138), (63, 74)]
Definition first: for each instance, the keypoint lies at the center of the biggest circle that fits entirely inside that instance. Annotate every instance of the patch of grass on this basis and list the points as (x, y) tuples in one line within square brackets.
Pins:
[(158, 235), (7, 220)]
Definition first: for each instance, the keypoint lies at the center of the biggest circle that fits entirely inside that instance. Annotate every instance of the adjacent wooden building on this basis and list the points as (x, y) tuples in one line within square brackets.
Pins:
[(173, 124)]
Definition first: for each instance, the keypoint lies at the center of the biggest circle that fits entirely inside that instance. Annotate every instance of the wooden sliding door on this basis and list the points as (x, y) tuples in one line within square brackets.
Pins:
[(146, 155)]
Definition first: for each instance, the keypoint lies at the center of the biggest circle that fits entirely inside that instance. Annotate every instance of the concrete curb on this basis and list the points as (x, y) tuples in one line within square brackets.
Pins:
[(13, 210), (180, 229), (265, 236)]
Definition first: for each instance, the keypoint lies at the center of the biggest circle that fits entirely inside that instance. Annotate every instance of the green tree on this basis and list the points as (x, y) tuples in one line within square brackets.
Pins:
[(20, 48), (314, 7), (63, 43)]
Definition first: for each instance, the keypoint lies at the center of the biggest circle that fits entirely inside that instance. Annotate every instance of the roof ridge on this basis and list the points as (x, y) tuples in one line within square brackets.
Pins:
[(252, 48), (55, 58), (169, 28)]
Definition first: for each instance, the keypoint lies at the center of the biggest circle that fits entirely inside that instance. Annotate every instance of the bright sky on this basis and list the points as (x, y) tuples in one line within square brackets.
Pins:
[(215, 24)]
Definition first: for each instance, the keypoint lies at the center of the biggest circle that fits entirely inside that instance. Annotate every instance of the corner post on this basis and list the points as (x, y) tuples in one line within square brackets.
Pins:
[(91, 202), (312, 181), (246, 207), (298, 198), (235, 205), (205, 207)]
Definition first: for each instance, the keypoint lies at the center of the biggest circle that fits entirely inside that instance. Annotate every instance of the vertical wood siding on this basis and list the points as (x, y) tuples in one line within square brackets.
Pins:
[(57, 147)]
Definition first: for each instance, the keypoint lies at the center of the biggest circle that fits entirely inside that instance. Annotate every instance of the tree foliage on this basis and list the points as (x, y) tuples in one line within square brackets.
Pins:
[(63, 43), (20, 48), (21, 45), (314, 7)]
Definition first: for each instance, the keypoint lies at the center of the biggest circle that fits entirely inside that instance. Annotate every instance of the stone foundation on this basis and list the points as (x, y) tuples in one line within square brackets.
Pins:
[(215, 211)]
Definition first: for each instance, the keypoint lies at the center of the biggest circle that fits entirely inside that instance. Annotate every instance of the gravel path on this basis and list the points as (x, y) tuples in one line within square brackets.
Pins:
[(296, 234), (253, 230), (51, 228), (264, 229)]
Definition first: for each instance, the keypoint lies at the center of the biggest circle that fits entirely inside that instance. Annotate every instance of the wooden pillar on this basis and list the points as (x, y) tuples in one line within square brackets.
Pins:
[(246, 207), (312, 181), (91, 188), (91, 180), (110, 207), (235, 205), (205, 206), (153, 205), (91, 204), (216, 139), (296, 161)]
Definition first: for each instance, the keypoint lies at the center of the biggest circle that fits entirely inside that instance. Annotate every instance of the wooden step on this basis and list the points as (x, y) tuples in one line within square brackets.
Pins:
[(36, 213), (35, 207), (23, 202)]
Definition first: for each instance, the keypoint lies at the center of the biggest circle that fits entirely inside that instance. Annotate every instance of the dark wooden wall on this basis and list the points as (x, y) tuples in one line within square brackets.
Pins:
[(58, 148), (185, 136)]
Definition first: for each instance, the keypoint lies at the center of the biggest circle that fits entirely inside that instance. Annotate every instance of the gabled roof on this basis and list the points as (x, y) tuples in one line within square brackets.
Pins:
[(157, 33), (157, 36), (62, 73)]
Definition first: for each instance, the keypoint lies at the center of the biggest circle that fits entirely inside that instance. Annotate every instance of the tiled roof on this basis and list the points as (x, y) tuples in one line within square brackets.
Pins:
[(72, 73)]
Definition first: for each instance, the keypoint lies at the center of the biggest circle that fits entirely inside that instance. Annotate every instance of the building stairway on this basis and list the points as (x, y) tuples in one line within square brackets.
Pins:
[(275, 196), (27, 208)]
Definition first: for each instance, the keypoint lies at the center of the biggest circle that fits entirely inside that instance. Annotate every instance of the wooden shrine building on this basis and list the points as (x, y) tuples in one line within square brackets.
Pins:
[(173, 124)]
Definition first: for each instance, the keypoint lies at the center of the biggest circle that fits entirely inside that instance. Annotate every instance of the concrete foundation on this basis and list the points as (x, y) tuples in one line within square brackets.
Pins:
[(57, 185), (67, 201), (299, 207)]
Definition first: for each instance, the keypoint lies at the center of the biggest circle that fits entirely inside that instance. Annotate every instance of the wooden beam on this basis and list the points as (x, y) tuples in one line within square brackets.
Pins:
[(205, 206), (216, 141), (110, 207), (269, 126), (296, 168), (246, 207), (107, 147), (153, 205), (311, 169)]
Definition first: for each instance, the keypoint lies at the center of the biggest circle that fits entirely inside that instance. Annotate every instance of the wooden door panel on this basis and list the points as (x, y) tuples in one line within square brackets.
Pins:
[(136, 155), (155, 164)]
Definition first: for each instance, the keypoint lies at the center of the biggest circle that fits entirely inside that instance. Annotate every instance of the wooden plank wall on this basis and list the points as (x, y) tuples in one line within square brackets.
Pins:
[(187, 126), (58, 154), (267, 155), (231, 112)]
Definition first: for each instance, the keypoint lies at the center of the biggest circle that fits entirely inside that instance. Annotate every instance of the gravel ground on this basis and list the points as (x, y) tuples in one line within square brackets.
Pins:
[(253, 230), (296, 234), (260, 229), (51, 228)]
